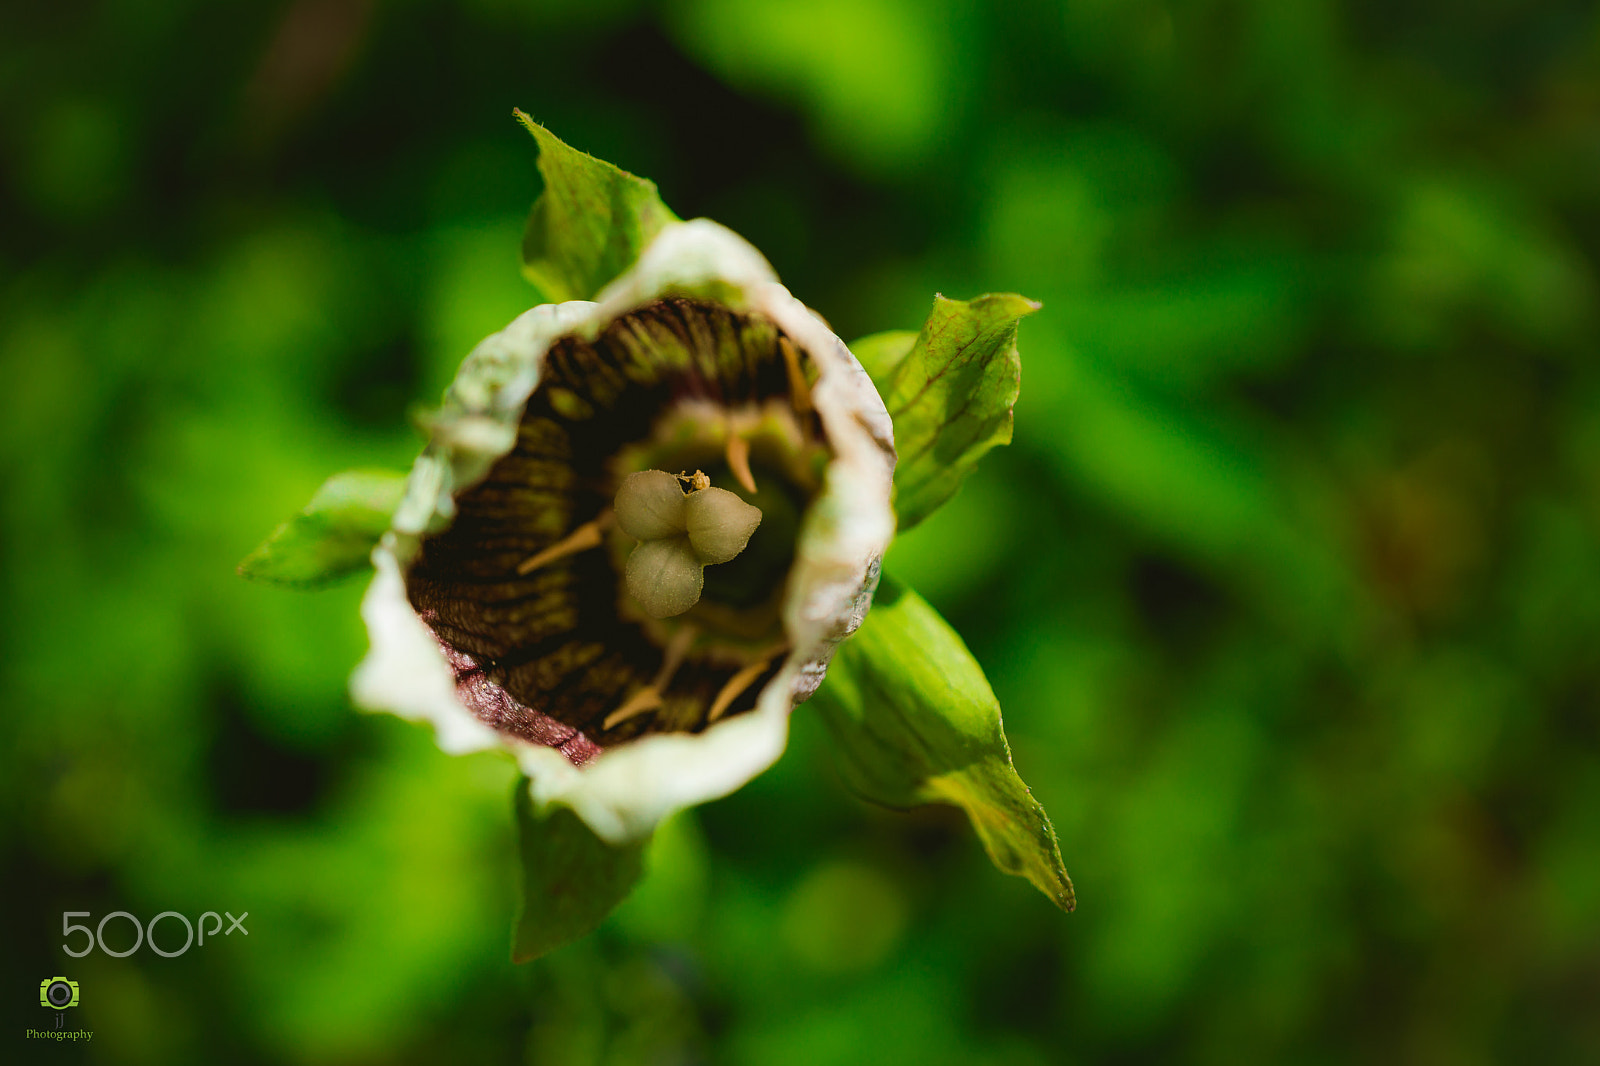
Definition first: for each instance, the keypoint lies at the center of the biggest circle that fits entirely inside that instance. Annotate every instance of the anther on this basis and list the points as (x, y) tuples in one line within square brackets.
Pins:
[(648, 697), (739, 682), (739, 462), (583, 538)]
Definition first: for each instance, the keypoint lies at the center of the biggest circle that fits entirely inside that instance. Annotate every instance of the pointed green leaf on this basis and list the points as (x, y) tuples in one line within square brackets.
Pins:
[(915, 722), (590, 223), (571, 879), (333, 536), (950, 396)]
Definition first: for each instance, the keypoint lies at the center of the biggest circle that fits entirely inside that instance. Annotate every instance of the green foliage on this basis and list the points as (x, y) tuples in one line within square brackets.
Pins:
[(916, 722), (590, 222), (334, 536), (875, 74), (571, 879), (1288, 583), (950, 394)]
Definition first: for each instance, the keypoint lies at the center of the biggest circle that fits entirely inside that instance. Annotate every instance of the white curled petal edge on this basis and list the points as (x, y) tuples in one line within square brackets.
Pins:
[(627, 790)]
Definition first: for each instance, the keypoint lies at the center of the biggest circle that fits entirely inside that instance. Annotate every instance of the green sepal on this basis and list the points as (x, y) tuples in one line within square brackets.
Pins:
[(333, 536), (571, 879), (950, 394), (914, 721), (589, 224)]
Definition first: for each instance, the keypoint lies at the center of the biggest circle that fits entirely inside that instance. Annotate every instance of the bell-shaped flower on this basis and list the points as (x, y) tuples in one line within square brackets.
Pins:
[(648, 517)]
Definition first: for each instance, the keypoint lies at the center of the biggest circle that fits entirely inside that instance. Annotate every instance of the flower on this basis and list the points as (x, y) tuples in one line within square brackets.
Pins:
[(649, 514), (694, 351)]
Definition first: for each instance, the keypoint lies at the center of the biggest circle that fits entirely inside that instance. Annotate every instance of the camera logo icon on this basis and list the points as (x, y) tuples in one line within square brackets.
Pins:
[(58, 992)]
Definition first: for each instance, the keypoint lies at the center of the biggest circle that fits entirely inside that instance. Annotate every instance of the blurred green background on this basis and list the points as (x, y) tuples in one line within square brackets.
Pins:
[(1289, 585)]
